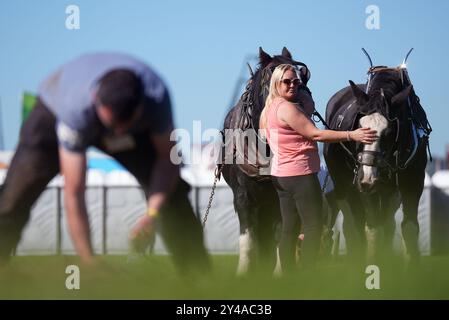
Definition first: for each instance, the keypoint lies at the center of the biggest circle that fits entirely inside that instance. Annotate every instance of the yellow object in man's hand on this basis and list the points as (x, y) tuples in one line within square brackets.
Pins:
[(153, 213), (143, 235)]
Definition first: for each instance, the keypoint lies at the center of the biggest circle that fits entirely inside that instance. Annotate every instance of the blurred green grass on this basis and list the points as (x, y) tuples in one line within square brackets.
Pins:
[(154, 277)]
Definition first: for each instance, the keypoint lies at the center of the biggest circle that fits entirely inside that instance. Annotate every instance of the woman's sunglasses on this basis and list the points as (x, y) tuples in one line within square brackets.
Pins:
[(288, 82)]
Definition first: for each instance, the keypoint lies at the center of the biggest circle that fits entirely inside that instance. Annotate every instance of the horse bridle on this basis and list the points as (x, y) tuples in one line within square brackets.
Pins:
[(405, 80), (379, 159), (376, 158)]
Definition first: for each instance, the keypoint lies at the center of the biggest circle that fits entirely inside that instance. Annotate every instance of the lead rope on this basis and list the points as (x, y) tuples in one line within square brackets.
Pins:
[(211, 197)]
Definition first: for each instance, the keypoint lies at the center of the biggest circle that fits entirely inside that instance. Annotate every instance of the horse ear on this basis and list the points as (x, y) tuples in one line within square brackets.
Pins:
[(264, 57), (358, 93), (286, 53), (401, 97)]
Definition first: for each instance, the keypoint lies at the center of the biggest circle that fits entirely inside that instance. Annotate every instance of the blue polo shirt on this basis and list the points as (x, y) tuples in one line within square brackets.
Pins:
[(69, 94)]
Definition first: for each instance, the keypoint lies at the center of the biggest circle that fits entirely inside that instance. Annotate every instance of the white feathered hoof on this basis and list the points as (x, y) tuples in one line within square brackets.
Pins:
[(373, 238), (246, 245), (277, 273)]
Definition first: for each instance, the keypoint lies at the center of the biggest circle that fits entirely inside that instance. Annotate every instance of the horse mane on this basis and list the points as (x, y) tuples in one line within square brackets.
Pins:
[(254, 92), (257, 87), (387, 80)]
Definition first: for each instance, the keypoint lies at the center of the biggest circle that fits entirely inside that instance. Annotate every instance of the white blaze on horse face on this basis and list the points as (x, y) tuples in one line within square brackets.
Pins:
[(377, 122)]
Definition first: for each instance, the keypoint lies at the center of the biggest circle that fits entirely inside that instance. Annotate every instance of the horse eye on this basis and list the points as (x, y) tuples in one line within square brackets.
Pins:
[(388, 132)]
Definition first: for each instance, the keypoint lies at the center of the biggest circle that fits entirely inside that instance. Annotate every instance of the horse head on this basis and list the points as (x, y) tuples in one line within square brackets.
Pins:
[(384, 108), (259, 82), (250, 150)]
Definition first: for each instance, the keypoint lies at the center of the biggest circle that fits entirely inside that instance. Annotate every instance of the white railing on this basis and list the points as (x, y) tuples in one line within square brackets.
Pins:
[(115, 201)]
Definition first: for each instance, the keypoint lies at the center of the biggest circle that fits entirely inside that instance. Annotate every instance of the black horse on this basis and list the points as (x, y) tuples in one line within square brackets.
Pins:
[(371, 181), (255, 199)]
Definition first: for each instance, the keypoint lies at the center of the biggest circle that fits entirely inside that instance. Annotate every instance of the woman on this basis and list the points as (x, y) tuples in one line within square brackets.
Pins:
[(292, 137)]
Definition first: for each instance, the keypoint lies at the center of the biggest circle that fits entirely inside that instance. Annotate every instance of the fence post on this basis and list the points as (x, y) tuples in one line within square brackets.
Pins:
[(104, 218), (58, 220)]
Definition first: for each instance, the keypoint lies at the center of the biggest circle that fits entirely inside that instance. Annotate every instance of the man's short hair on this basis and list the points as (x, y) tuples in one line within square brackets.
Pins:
[(121, 90)]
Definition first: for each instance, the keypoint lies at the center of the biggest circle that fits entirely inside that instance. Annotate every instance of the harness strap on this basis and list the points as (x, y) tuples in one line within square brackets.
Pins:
[(428, 148)]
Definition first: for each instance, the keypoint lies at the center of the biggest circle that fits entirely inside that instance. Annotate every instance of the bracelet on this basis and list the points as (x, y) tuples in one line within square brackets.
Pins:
[(153, 213), (348, 137)]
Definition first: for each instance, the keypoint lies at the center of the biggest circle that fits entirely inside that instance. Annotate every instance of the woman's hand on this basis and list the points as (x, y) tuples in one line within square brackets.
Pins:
[(363, 135)]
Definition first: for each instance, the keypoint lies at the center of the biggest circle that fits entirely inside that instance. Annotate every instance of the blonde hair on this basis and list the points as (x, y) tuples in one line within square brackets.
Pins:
[(273, 92)]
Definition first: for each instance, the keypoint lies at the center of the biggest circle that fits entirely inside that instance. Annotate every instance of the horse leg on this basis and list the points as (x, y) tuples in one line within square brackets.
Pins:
[(233, 178), (411, 185), (373, 230), (247, 238), (380, 225), (353, 227), (246, 251), (411, 193), (330, 213), (390, 204), (409, 225), (268, 214)]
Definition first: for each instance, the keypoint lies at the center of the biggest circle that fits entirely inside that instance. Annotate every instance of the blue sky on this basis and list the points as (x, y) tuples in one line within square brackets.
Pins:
[(199, 47)]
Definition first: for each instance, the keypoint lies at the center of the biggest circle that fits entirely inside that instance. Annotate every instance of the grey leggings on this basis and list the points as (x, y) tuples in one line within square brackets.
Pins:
[(301, 202)]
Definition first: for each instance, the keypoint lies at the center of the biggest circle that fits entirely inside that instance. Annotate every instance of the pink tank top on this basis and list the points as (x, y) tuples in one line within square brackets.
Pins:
[(293, 154)]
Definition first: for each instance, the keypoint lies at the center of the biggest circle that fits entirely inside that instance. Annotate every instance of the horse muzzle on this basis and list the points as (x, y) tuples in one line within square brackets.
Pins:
[(366, 187), (367, 179)]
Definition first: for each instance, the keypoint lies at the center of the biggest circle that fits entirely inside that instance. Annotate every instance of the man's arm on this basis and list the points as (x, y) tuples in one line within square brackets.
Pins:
[(164, 178), (165, 174), (73, 168)]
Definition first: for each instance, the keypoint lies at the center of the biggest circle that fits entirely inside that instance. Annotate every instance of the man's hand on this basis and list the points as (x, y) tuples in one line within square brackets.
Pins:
[(73, 168), (164, 178), (143, 235)]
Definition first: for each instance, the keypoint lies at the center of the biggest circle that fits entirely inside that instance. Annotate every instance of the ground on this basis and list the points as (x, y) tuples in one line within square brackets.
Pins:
[(155, 277)]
